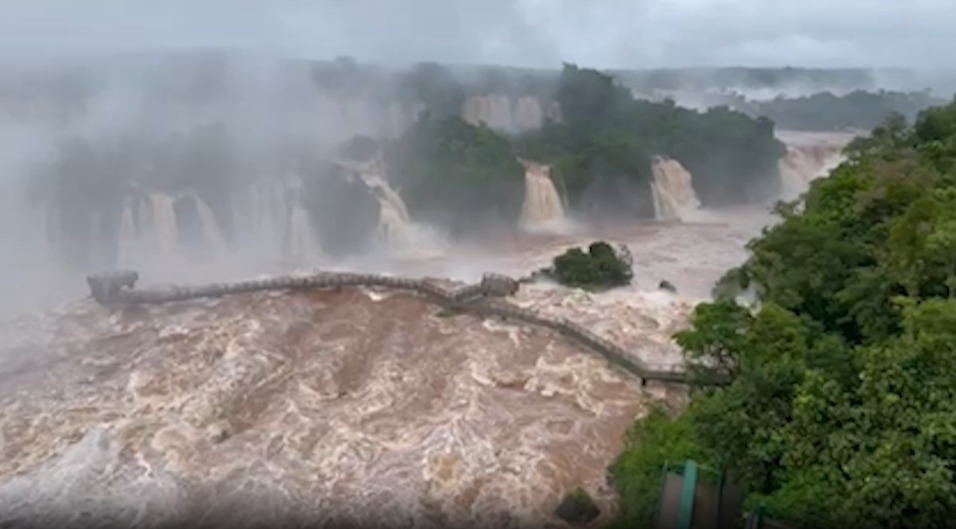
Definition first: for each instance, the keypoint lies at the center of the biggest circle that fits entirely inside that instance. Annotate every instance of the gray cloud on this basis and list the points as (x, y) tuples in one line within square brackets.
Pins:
[(603, 33)]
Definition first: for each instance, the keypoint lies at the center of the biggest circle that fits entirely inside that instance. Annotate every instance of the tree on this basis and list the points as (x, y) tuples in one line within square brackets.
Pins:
[(599, 268)]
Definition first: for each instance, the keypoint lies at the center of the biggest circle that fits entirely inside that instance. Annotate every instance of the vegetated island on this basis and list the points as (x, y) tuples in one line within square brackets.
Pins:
[(596, 269)]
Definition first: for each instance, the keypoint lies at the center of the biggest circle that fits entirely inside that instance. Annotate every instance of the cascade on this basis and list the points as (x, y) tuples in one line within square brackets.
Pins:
[(212, 236), (394, 220), (810, 155), (164, 227), (149, 230), (270, 216), (395, 226), (474, 110), (500, 115), (673, 190), (528, 114), (130, 243), (262, 215), (500, 112), (542, 208), (804, 163), (300, 241)]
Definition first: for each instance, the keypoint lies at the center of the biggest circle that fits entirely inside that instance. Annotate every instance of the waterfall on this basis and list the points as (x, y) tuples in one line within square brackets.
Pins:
[(542, 208), (500, 112), (528, 114), (212, 236), (394, 221), (301, 241), (394, 218), (474, 110), (150, 231), (805, 162), (395, 227), (271, 221), (262, 214), (673, 190), (164, 227), (130, 243)]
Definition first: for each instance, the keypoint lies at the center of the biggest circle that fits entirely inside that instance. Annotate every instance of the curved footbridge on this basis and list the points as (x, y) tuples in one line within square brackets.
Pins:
[(485, 298)]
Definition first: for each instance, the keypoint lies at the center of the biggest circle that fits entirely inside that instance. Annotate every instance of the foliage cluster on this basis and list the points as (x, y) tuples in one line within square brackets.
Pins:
[(841, 405), (457, 175), (599, 268)]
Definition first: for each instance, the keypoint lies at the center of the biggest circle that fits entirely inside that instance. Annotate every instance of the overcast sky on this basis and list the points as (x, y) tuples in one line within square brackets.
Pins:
[(599, 33)]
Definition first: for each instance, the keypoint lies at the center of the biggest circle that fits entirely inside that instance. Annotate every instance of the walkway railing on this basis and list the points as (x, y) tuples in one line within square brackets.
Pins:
[(484, 298)]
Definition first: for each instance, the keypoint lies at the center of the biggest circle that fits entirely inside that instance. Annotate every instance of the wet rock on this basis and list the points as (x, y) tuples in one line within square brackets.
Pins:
[(668, 286), (577, 507)]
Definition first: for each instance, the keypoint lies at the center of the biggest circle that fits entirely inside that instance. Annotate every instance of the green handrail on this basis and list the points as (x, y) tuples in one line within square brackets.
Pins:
[(686, 513)]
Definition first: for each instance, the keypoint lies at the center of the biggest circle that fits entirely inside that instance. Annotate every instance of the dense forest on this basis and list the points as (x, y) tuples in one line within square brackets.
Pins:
[(840, 409), (456, 175)]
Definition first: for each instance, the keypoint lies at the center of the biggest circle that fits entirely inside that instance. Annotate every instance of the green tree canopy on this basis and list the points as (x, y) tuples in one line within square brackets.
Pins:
[(457, 175), (841, 406), (598, 268)]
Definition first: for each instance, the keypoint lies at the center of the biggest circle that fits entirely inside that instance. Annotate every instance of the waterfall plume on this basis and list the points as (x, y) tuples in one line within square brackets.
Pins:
[(543, 209), (396, 230), (673, 191), (809, 156)]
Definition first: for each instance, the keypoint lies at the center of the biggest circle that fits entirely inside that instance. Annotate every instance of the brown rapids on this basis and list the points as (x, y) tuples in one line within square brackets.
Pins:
[(343, 408), (352, 407)]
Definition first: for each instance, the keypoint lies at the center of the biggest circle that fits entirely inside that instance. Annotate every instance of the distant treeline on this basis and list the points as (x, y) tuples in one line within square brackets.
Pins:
[(825, 111), (702, 79)]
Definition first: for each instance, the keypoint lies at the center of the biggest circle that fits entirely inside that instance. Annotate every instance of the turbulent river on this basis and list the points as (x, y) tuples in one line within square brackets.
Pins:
[(356, 407)]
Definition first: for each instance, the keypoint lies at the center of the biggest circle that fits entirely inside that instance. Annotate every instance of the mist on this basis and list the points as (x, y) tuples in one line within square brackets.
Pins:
[(530, 33), (222, 115)]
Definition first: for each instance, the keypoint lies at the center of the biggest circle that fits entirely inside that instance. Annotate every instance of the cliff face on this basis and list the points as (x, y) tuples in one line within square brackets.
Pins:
[(510, 114), (355, 116)]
